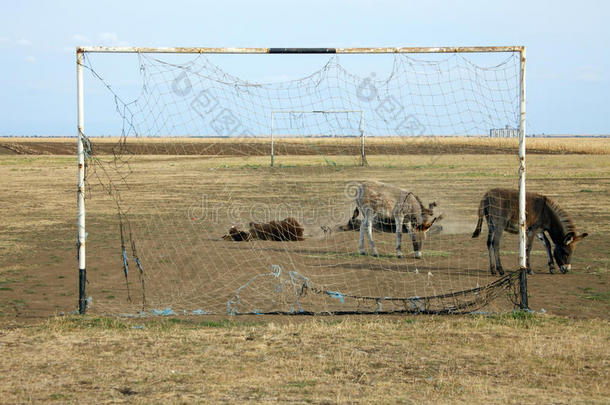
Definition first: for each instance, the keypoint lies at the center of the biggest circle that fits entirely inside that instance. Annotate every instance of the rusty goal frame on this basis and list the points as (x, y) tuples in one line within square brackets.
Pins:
[(80, 51)]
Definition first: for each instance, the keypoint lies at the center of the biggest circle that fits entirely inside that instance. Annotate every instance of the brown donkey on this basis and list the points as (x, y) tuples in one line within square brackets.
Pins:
[(376, 199), (288, 229), (501, 210)]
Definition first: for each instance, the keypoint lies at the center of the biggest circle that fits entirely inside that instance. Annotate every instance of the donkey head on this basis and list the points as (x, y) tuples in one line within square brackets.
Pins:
[(563, 251), (353, 224), (423, 224)]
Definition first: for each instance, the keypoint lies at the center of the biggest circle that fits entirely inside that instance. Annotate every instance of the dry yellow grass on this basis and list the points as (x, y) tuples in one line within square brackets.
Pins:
[(506, 359)]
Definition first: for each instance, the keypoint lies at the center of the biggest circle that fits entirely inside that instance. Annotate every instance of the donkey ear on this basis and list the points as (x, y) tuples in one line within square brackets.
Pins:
[(356, 213), (580, 237), (569, 238), (432, 205)]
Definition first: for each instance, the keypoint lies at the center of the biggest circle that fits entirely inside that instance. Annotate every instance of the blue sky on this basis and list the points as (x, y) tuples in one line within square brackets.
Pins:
[(568, 46)]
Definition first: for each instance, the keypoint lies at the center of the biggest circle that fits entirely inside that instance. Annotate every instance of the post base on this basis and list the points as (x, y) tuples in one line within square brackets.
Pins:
[(82, 299)]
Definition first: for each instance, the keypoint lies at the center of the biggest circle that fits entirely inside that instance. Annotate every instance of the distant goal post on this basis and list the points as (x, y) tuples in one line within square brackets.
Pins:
[(295, 116)]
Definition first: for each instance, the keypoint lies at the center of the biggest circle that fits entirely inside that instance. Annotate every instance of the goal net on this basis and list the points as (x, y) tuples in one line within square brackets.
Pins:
[(187, 213), (318, 132)]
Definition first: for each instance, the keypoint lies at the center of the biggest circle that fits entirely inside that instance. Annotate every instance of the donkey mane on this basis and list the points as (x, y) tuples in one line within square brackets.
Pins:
[(421, 205), (562, 217)]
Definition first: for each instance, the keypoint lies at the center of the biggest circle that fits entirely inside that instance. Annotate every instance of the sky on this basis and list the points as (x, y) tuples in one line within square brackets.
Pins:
[(568, 46)]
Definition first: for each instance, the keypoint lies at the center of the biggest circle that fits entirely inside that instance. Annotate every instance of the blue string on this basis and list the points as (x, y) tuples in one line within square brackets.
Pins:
[(125, 266), (336, 294), (138, 263)]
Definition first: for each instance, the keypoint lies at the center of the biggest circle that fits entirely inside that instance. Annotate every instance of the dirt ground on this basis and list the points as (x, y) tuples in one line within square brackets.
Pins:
[(180, 205)]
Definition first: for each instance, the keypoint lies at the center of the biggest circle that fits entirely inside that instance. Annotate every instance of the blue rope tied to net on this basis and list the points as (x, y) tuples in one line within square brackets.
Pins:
[(337, 295), (416, 304), (125, 265), (87, 152), (138, 264)]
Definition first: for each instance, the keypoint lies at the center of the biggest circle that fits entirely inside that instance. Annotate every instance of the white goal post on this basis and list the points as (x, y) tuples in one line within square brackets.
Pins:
[(321, 112), (82, 139)]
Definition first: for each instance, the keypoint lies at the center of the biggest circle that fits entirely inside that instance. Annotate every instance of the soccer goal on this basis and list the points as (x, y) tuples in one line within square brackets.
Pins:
[(231, 180)]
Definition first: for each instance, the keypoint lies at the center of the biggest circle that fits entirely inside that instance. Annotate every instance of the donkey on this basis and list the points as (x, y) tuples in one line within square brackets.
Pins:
[(375, 199), (287, 229), (380, 224), (501, 210)]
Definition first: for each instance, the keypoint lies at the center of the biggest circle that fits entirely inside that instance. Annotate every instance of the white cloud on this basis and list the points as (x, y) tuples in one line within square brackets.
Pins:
[(108, 36), (590, 73), (24, 42), (110, 39), (31, 59), (81, 39)]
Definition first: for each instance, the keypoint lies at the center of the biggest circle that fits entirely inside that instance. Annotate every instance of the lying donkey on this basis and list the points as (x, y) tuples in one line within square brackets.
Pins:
[(375, 199), (287, 229), (501, 210)]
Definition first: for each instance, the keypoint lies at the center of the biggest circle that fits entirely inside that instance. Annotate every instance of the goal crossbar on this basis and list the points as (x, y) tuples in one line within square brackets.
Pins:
[(463, 49)]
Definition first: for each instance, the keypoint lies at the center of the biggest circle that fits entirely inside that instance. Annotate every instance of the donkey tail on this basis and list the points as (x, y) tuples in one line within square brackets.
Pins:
[(477, 230)]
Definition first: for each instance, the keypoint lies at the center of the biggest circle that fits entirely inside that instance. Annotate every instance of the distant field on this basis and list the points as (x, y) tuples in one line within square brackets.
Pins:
[(309, 146)]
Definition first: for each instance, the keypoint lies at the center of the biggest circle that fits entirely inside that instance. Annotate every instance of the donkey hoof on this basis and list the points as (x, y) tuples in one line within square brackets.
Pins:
[(418, 255), (530, 271), (552, 269), (399, 255), (362, 252), (501, 272), (375, 254)]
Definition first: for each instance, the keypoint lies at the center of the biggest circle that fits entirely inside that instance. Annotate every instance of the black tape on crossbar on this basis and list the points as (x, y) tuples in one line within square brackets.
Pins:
[(302, 50)]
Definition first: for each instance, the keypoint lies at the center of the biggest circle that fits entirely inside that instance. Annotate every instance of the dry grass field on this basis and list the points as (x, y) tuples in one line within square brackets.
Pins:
[(559, 356), (513, 359)]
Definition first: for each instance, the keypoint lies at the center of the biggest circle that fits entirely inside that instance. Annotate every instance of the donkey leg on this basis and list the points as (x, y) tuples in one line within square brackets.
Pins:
[(361, 248), (369, 232), (493, 244), (398, 220), (490, 249), (496, 248), (416, 244), (547, 245)]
